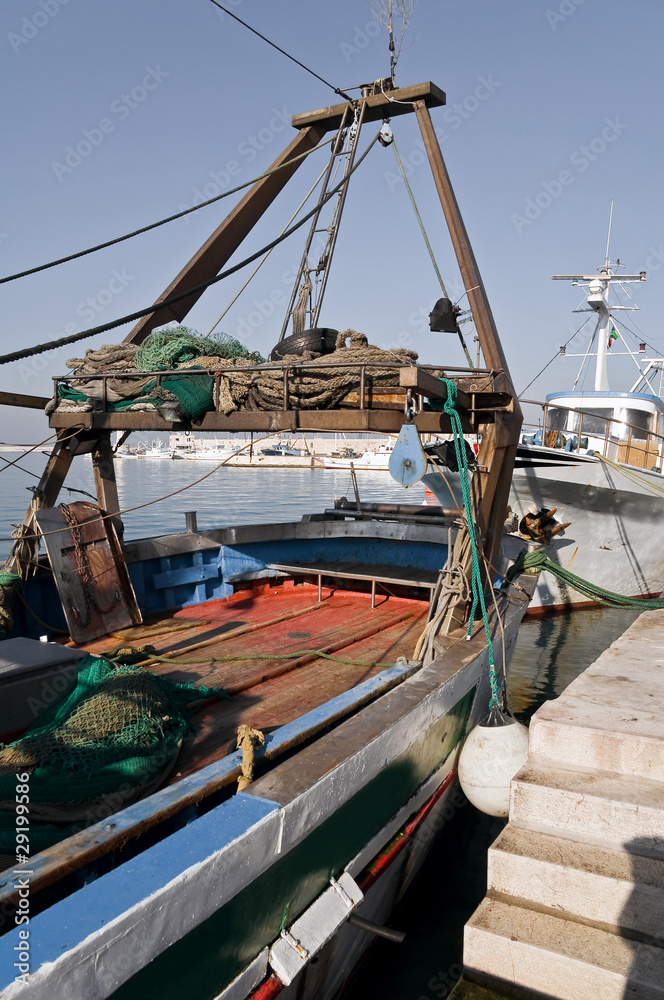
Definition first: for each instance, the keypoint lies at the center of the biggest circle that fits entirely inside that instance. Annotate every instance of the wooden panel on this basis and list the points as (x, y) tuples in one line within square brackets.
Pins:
[(267, 421), (89, 572), (278, 701), (639, 453)]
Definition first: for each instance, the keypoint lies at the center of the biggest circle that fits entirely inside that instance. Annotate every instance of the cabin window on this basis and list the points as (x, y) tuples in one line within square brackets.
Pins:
[(594, 420), (556, 419), (640, 421)]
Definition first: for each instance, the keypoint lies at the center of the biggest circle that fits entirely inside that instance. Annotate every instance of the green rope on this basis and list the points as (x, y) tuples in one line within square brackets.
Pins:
[(540, 560), (133, 654), (477, 586)]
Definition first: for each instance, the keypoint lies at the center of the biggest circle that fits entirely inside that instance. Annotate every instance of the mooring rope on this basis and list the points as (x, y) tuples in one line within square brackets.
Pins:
[(541, 561), (136, 654), (633, 476)]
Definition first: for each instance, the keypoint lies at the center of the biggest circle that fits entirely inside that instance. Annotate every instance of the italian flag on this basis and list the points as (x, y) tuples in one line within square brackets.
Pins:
[(612, 336)]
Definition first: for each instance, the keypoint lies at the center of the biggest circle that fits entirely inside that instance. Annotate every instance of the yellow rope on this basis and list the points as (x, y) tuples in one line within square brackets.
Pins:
[(247, 738), (634, 476)]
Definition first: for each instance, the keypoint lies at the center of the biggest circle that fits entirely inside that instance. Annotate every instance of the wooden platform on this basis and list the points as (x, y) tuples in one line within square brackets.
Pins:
[(275, 679)]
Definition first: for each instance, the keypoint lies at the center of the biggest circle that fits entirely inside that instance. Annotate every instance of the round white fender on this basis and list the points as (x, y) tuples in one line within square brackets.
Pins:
[(492, 754)]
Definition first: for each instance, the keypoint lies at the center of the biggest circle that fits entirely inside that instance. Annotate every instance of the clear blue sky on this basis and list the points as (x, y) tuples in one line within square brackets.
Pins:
[(535, 88)]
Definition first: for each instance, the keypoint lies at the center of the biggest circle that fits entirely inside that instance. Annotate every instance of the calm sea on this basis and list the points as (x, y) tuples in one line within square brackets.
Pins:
[(550, 653)]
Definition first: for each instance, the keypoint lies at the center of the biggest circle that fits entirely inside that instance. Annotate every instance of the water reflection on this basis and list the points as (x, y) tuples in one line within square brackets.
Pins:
[(552, 650), (225, 497)]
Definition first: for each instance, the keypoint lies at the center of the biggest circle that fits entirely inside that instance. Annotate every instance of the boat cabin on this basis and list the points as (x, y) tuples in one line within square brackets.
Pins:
[(620, 425)]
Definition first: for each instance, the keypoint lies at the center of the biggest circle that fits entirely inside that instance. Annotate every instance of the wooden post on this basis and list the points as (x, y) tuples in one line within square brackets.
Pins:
[(499, 440), (105, 483)]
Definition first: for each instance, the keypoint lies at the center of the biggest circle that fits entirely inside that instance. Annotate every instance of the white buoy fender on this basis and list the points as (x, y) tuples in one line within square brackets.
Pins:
[(492, 754)]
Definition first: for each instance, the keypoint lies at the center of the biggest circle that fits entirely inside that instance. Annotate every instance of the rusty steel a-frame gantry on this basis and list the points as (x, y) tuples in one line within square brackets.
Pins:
[(500, 434)]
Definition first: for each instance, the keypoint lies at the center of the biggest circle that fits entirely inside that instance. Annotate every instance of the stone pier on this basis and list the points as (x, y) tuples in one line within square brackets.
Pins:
[(575, 902)]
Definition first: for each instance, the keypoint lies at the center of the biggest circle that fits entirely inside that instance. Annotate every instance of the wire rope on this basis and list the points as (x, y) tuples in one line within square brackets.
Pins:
[(556, 355), (230, 13), (162, 222), (265, 257), (163, 304)]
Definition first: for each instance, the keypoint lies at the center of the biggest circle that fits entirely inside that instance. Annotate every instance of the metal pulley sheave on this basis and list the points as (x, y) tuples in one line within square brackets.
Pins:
[(408, 463)]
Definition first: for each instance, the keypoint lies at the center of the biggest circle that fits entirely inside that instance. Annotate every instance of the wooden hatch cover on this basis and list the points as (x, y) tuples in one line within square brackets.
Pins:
[(89, 570)]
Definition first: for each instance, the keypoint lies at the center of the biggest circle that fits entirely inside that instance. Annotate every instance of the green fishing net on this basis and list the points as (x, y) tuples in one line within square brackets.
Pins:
[(8, 582), (167, 349), (112, 740)]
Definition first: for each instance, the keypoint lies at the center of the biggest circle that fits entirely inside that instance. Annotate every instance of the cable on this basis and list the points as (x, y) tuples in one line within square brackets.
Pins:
[(162, 222), (148, 503), (336, 90), (556, 355), (429, 247), (158, 306), (28, 472)]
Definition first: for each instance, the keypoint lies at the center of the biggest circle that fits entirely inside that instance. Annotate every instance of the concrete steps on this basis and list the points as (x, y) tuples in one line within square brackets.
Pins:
[(589, 803), (575, 902), (558, 957), (616, 891)]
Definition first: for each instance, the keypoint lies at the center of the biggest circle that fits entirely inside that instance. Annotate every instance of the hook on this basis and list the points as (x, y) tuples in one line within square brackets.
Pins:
[(409, 409)]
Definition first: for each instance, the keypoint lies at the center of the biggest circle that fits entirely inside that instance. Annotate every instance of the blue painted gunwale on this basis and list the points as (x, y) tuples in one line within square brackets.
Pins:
[(195, 787)]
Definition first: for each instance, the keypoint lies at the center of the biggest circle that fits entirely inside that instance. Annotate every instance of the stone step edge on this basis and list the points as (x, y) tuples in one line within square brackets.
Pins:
[(643, 891), (579, 838), (489, 988), (566, 931), (638, 747), (543, 763), (507, 842), (626, 933)]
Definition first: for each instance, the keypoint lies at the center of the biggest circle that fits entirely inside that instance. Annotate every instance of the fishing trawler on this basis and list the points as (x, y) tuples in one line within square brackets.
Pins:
[(257, 842), (588, 480)]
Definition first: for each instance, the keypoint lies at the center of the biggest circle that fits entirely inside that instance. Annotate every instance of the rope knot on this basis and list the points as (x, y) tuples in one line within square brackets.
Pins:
[(247, 738), (356, 339)]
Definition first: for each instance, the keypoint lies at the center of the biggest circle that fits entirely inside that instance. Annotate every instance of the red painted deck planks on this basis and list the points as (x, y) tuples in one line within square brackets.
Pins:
[(278, 701)]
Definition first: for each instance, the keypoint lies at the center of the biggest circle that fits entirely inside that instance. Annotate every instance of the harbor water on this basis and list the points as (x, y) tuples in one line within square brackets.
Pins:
[(551, 651)]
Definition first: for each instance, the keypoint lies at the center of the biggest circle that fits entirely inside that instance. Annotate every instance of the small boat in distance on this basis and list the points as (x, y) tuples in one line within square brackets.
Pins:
[(372, 460)]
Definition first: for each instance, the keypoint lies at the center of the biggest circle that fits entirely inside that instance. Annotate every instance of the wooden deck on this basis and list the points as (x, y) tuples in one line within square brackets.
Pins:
[(271, 628)]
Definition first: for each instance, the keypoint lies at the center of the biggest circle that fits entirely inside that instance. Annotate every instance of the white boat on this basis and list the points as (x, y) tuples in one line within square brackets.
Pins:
[(372, 460), (595, 461)]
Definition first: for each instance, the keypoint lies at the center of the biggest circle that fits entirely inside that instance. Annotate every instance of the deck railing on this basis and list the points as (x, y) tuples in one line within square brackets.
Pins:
[(642, 448)]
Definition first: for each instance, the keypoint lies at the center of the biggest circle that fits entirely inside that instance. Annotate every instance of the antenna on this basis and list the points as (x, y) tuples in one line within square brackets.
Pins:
[(608, 238)]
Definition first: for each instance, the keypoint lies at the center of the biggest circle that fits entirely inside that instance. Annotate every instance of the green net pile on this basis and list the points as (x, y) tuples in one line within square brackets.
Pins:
[(112, 740), (187, 397), (172, 348)]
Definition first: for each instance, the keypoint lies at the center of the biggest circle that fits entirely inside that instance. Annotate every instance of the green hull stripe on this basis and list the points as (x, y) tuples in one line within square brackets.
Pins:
[(203, 962)]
